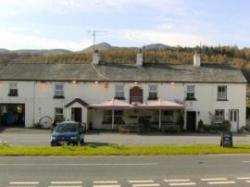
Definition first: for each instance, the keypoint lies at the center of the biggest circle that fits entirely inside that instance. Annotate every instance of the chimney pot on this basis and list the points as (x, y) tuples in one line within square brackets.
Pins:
[(139, 58), (197, 60), (96, 58)]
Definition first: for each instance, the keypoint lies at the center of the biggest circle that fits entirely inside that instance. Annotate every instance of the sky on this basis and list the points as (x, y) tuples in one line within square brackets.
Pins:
[(68, 24)]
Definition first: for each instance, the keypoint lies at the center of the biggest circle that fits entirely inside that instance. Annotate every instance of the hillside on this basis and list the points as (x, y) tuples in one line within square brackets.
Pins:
[(153, 53)]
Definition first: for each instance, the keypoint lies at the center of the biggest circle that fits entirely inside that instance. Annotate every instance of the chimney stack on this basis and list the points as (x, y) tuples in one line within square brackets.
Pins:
[(197, 60), (139, 58), (96, 58)]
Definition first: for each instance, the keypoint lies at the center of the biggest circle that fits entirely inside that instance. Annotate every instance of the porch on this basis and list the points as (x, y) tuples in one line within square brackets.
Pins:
[(153, 116)]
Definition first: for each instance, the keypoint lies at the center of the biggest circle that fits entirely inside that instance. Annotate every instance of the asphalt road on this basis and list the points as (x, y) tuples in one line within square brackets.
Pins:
[(131, 171), (29, 137)]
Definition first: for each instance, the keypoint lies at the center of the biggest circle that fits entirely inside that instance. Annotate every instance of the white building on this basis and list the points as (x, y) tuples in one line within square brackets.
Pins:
[(108, 96)]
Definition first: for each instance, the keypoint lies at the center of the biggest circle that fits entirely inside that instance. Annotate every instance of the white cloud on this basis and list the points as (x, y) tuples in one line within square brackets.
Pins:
[(12, 40)]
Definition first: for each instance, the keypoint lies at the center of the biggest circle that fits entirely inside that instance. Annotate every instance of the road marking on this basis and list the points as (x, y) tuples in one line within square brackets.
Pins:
[(65, 186), (141, 181), (246, 161), (66, 182), (243, 178), (146, 185), (107, 185), (176, 180), (183, 184), (87, 165), (105, 182), (21, 186), (248, 181), (24, 183), (221, 182), (214, 179)]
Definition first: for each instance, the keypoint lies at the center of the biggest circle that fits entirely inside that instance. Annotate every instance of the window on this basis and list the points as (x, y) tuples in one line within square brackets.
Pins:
[(152, 92), (219, 116), (168, 116), (190, 92), (107, 117), (119, 91), (59, 90), (13, 91), (222, 93), (59, 114)]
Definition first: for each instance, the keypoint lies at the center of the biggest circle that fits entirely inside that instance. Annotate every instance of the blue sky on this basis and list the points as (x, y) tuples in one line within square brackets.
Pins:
[(51, 24)]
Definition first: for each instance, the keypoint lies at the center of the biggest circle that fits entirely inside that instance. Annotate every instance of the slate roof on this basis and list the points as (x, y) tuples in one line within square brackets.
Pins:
[(121, 73)]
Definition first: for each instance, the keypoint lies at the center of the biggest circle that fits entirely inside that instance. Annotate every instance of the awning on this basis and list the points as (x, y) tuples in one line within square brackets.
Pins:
[(112, 104), (160, 104)]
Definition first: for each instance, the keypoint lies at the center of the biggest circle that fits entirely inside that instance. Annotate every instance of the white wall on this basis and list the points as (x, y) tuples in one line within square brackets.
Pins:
[(91, 93)]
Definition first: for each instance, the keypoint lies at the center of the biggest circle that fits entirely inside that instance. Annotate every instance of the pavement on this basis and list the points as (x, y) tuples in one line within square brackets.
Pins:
[(132, 171), (29, 137)]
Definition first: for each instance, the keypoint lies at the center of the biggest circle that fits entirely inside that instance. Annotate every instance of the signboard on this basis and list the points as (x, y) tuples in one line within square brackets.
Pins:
[(227, 139)]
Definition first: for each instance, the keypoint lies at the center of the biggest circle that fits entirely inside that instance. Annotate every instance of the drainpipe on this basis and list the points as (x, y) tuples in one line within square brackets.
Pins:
[(160, 119), (113, 118)]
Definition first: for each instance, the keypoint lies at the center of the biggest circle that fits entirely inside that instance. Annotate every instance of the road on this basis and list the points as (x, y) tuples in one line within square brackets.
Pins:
[(29, 137), (132, 171)]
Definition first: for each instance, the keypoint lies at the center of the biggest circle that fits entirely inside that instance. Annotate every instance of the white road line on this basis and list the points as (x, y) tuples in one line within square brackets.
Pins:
[(146, 185), (105, 182), (66, 182), (24, 183), (108, 185), (21, 186), (141, 181), (183, 184), (247, 181), (65, 186), (176, 180), (221, 182), (214, 179), (86, 165), (243, 178)]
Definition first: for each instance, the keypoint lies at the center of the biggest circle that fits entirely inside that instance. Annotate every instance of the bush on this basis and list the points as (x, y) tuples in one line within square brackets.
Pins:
[(216, 127)]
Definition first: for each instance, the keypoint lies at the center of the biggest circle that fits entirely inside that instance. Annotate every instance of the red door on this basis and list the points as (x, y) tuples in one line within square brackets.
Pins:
[(136, 95)]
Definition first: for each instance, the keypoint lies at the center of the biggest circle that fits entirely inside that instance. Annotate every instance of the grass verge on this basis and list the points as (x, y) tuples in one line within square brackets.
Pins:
[(6, 150)]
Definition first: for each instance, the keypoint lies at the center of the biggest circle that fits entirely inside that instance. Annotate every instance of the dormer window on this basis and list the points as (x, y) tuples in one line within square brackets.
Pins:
[(119, 91), (59, 90), (152, 92), (190, 92), (13, 90)]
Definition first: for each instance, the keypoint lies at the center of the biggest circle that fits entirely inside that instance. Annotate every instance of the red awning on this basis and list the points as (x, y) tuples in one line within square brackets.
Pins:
[(112, 104), (160, 104)]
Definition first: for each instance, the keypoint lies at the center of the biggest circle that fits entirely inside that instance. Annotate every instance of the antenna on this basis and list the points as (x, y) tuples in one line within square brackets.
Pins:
[(94, 34)]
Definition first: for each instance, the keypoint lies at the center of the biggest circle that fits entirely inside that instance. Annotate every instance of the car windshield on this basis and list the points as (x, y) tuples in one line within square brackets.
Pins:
[(67, 127)]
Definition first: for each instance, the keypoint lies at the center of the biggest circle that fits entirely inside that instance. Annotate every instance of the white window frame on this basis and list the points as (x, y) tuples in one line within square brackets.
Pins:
[(59, 115), (59, 89), (190, 92), (13, 87), (107, 114), (153, 91), (222, 95), (119, 91), (219, 115)]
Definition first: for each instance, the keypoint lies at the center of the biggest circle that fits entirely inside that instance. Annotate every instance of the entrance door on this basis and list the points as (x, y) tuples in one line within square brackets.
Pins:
[(234, 118), (76, 114), (191, 121)]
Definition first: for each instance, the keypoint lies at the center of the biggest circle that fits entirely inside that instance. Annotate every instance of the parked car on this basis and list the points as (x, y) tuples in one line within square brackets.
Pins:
[(67, 132)]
